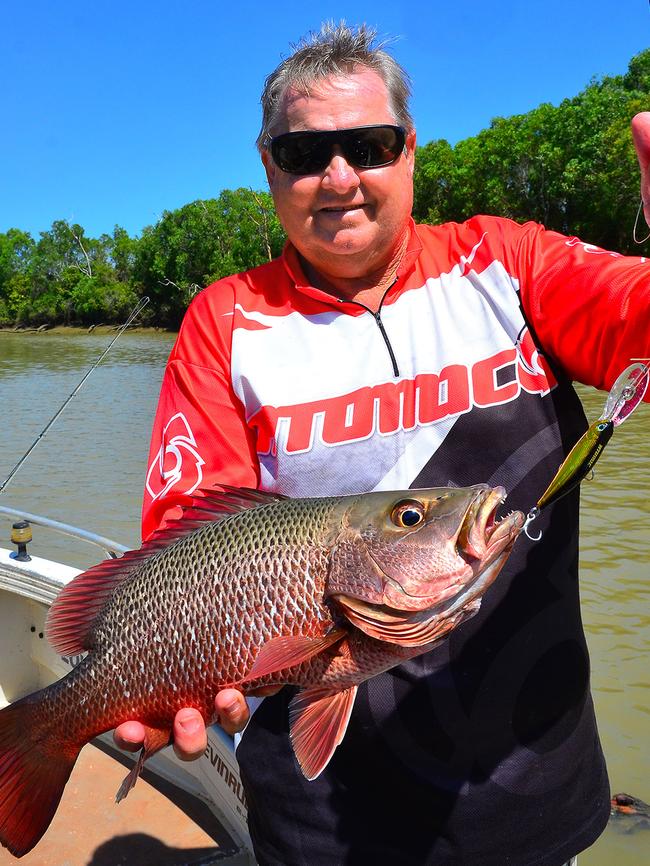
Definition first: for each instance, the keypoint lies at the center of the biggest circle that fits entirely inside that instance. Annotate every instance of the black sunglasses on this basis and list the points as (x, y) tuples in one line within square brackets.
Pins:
[(362, 146)]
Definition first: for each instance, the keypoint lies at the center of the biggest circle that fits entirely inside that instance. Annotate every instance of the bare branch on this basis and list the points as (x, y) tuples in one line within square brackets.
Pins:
[(88, 271), (190, 290)]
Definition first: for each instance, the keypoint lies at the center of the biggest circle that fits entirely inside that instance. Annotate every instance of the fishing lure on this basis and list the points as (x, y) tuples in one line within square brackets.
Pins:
[(626, 394)]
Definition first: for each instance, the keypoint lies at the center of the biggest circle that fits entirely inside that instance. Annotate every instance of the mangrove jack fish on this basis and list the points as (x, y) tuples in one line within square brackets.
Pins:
[(249, 589)]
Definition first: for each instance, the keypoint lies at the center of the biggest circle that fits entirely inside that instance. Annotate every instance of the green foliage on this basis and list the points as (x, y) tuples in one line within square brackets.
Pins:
[(92, 300), (15, 250), (122, 253), (191, 247), (14, 300), (15, 253), (638, 74), (571, 167), (67, 277)]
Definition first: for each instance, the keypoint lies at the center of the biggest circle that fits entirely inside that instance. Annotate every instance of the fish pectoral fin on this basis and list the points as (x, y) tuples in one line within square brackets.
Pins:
[(154, 740), (318, 720), (288, 651)]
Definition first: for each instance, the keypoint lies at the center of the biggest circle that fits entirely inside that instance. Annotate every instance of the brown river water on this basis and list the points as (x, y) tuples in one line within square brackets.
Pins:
[(89, 471)]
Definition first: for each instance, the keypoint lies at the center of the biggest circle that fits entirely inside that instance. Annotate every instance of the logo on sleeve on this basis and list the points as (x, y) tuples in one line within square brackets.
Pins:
[(591, 248), (177, 463)]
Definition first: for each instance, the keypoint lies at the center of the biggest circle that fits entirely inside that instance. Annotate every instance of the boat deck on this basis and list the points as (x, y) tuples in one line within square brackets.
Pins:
[(153, 826)]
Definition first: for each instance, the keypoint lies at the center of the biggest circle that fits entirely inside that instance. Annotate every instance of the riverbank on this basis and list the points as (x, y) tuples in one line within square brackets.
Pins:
[(83, 330)]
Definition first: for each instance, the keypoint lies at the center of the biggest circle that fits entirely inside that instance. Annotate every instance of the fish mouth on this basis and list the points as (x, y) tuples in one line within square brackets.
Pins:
[(481, 534)]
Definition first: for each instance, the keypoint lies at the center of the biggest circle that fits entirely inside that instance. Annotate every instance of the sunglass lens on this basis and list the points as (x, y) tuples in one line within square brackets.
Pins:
[(302, 154), (368, 148)]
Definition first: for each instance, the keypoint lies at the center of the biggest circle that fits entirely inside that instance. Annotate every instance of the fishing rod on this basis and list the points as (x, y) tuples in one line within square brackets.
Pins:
[(135, 312), (626, 394)]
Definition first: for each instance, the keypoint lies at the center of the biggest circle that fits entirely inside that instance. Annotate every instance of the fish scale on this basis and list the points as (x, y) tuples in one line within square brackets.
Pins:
[(195, 584), (248, 590)]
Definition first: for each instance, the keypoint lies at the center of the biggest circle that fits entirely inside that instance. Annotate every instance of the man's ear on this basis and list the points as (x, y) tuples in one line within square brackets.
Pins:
[(269, 166), (410, 150)]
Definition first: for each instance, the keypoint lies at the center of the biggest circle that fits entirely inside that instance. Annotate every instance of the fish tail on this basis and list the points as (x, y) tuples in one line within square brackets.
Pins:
[(35, 764)]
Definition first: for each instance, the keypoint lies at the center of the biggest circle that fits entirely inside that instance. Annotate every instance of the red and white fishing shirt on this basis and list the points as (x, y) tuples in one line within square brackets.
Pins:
[(484, 751)]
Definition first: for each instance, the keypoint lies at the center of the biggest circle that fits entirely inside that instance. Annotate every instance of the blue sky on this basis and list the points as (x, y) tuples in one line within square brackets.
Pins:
[(116, 111)]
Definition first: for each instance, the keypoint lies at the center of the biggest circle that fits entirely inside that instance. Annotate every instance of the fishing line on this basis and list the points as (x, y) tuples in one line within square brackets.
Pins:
[(136, 310), (636, 223)]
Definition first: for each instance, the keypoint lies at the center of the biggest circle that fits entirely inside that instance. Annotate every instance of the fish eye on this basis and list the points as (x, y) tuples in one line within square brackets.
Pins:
[(407, 514)]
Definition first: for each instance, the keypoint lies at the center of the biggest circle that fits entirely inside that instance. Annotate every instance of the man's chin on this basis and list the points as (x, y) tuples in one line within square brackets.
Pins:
[(346, 253)]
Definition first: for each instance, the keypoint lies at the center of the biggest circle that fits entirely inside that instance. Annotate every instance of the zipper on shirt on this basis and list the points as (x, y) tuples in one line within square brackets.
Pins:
[(380, 324), (377, 317)]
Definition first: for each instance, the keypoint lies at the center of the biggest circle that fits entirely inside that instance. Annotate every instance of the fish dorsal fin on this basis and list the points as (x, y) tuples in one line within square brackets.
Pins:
[(318, 720), (75, 609), (208, 506), (287, 651)]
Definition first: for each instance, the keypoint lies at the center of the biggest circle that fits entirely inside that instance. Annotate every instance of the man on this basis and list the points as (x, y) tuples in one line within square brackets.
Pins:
[(380, 355)]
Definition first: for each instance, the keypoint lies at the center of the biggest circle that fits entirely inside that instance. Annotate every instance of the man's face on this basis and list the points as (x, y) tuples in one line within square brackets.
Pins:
[(345, 221)]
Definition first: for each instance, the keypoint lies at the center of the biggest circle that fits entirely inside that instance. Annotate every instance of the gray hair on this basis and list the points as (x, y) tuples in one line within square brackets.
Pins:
[(335, 50)]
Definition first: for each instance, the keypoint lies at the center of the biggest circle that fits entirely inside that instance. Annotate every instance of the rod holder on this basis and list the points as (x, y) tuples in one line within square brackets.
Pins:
[(21, 535)]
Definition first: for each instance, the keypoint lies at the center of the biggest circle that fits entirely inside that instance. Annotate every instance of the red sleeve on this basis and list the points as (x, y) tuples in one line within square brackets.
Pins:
[(590, 308), (200, 437)]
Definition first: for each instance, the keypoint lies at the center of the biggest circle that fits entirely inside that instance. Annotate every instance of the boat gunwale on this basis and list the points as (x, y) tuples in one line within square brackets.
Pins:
[(112, 548)]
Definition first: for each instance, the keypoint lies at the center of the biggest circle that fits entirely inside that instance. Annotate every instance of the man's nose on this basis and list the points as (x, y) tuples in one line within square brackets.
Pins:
[(339, 175)]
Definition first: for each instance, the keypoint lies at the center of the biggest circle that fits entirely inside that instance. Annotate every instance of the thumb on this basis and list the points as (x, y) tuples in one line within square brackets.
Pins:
[(190, 738)]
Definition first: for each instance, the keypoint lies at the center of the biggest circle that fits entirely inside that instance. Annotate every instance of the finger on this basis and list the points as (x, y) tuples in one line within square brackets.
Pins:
[(129, 736), (641, 136), (190, 737), (232, 710)]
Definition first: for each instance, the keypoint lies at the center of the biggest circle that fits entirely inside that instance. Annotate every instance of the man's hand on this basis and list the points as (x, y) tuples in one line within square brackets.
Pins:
[(189, 734), (641, 136)]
